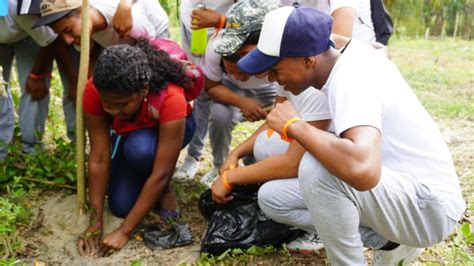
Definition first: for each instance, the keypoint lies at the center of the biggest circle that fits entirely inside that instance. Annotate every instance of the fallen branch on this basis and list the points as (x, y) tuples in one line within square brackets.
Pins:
[(50, 183)]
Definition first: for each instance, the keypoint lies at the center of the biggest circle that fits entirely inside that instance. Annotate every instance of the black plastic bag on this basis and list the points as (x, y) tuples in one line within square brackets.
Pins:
[(240, 223), (156, 239)]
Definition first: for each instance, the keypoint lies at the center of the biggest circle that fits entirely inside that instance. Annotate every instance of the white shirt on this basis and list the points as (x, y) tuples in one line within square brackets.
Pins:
[(186, 8), (149, 20), (366, 89), (14, 28), (311, 104), (211, 66), (363, 28)]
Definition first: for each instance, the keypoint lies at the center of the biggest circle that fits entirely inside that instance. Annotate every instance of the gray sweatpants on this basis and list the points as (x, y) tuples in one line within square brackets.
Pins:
[(32, 114), (221, 119), (400, 209)]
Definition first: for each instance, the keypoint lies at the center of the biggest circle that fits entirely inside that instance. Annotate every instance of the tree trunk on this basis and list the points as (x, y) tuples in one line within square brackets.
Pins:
[(456, 22)]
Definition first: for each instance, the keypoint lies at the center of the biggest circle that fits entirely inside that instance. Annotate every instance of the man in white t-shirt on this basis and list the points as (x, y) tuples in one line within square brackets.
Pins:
[(386, 179), (277, 161), (64, 17), (34, 51), (234, 95)]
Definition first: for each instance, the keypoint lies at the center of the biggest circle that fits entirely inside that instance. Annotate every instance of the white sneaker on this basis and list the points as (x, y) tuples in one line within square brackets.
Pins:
[(402, 255), (209, 178), (187, 170), (308, 243)]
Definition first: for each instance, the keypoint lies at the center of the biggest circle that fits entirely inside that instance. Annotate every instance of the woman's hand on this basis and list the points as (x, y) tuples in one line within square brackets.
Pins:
[(280, 115), (113, 241), (89, 241)]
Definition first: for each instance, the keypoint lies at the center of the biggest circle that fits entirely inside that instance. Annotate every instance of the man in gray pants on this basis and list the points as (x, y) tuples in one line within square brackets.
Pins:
[(385, 179), (34, 51), (234, 96)]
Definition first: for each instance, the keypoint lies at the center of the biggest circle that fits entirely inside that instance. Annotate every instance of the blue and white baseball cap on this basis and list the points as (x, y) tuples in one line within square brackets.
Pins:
[(289, 31)]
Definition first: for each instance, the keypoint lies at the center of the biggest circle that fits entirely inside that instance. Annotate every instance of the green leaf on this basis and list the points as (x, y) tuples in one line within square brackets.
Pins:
[(237, 251), (59, 180), (470, 239), (466, 229), (136, 262), (224, 255), (4, 178), (255, 250)]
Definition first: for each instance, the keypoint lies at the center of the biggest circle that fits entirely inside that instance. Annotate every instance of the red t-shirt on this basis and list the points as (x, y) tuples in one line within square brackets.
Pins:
[(159, 108)]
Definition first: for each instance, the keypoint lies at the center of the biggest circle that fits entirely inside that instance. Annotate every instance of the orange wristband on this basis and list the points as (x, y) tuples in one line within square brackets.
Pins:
[(221, 23), (39, 76), (225, 182), (270, 132), (285, 128)]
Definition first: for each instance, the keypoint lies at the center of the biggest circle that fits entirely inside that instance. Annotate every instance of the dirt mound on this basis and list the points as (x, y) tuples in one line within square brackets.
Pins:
[(58, 223)]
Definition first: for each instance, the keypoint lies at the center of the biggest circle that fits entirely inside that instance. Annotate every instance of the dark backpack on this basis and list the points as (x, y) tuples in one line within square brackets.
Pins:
[(28, 7), (383, 24)]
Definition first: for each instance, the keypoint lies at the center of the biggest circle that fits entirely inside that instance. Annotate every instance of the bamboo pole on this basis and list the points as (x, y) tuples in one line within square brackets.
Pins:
[(81, 83)]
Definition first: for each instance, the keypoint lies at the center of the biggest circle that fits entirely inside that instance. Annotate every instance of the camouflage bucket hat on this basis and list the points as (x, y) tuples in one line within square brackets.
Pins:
[(243, 18)]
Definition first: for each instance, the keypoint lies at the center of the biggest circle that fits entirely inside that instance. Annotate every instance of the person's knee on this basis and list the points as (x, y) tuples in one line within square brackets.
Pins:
[(268, 199), (221, 115), (266, 146), (311, 171), (313, 178), (118, 207), (140, 146)]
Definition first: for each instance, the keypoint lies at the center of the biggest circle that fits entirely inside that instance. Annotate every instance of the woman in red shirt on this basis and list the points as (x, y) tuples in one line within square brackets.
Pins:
[(138, 120)]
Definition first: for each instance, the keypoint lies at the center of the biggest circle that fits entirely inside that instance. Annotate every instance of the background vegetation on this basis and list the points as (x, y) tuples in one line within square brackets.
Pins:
[(433, 48)]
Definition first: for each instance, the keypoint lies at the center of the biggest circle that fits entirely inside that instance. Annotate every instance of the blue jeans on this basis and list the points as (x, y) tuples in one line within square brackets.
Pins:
[(132, 164)]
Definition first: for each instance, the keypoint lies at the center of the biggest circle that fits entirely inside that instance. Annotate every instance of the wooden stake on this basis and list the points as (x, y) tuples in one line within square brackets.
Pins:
[(81, 83)]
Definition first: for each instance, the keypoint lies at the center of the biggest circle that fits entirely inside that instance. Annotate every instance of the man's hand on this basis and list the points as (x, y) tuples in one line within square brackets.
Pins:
[(204, 18), (72, 92), (36, 87), (122, 20), (113, 241), (282, 112), (252, 110), (219, 193), (89, 241)]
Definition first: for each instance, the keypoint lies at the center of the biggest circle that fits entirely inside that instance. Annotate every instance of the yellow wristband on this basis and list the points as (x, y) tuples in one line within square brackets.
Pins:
[(285, 128), (225, 182)]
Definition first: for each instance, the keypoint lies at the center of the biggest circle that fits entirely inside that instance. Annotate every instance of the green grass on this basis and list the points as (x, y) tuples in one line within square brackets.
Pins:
[(441, 72)]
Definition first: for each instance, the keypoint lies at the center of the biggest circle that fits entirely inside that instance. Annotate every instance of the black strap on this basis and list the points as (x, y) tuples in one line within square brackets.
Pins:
[(347, 44), (31, 7)]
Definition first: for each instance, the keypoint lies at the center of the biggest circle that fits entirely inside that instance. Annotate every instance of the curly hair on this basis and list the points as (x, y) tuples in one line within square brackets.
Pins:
[(125, 69)]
